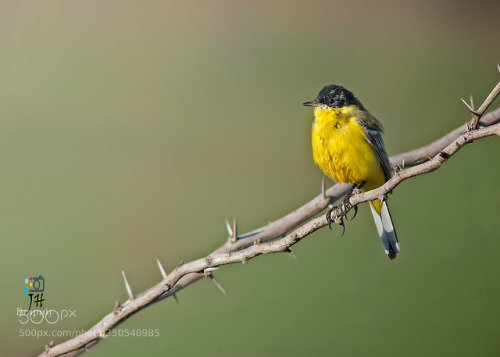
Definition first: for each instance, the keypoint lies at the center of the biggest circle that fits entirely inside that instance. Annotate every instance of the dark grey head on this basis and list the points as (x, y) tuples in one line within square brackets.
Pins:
[(334, 96)]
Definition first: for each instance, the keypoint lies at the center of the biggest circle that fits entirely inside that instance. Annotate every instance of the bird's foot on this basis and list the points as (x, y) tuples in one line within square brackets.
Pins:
[(339, 217), (340, 211)]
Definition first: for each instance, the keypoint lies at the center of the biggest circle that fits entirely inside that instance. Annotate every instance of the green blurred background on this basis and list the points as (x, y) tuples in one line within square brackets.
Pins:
[(131, 130)]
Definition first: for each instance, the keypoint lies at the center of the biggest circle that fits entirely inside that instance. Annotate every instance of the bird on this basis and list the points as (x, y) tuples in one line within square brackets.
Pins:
[(348, 147)]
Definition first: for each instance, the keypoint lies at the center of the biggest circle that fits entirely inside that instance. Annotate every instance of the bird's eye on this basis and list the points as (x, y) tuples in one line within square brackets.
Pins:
[(332, 100)]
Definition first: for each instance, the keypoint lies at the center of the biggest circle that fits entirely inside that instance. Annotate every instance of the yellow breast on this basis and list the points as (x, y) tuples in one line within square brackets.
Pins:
[(341, 150)]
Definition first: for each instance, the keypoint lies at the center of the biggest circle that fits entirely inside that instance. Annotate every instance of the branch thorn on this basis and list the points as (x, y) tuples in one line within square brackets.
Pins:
[(233, 233), (207, 271), (49, 346), (127, 286), (229, 229), (467, 105), (323, 188), (290, 251), (211, 276), (175, 297), (235, 230), (162, 271), (117, 308)]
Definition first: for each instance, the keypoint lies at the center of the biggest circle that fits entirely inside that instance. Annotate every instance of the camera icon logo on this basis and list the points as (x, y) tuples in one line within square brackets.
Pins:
[(35, 284)]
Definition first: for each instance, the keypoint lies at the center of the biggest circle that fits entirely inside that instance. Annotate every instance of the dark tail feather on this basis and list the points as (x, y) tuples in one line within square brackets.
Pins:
[(386, 231)]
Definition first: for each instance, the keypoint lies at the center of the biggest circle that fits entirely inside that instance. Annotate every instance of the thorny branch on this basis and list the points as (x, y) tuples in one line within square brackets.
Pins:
[(241, 248)]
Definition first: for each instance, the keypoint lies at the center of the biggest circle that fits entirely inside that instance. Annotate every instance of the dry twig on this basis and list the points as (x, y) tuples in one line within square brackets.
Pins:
[(241, 248)]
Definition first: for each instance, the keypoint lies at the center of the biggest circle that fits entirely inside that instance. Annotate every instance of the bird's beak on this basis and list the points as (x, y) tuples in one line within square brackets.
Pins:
[(312, 103)]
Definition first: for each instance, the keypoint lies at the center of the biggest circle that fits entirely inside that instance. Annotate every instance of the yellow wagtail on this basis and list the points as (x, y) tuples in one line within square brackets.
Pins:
[(347, 145)]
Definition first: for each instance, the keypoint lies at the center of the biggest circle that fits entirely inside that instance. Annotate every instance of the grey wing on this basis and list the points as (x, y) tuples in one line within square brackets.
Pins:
[(373, 133)]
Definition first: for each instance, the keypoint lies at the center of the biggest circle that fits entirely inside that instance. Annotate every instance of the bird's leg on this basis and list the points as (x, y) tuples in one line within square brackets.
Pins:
[(354, 191)]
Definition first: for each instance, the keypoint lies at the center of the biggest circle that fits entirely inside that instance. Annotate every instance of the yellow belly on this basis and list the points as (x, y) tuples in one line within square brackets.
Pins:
[(341, 150)]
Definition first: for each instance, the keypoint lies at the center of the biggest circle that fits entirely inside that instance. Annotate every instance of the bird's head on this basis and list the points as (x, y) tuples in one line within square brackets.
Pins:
[(333, 96)]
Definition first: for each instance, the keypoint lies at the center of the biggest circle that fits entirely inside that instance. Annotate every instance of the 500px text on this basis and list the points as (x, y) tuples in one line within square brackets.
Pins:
[(33, 332), (49, 316)]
